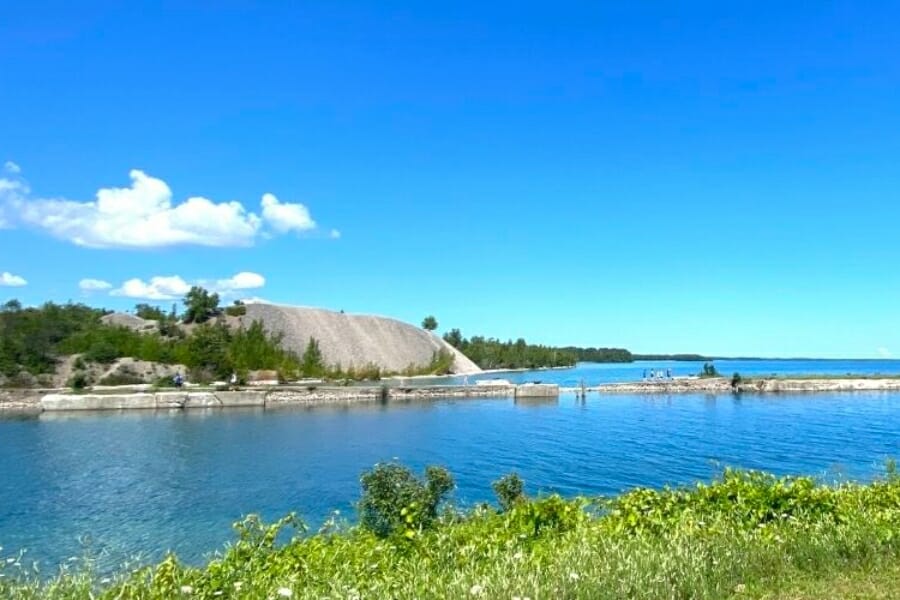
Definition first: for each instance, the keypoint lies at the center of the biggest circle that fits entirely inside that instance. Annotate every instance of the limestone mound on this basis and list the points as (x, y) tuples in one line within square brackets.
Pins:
[(355, 340), (130, 321)]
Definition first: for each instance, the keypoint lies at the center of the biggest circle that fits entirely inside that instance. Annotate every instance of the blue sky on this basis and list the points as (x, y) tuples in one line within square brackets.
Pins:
[(667, 177)]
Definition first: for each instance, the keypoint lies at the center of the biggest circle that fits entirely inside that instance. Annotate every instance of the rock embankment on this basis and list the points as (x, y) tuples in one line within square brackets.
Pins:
[(722, 385), (355, 340), (268, 398)]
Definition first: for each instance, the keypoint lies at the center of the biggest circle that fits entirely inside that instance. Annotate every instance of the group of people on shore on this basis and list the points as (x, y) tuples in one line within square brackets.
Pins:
[(657, 374)]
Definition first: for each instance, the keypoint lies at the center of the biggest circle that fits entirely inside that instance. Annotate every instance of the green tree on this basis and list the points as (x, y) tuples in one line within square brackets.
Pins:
[(146, 311), (200, 305), (429, 323), (454, 338), (312, 363)]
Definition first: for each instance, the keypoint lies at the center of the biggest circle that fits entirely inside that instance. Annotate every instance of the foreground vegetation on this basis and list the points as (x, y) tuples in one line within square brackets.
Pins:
[(745, 535)]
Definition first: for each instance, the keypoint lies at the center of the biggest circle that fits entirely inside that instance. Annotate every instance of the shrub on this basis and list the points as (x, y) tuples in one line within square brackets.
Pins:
[(709, 370), (395, 501), (79, 381), (510, 490), (736, 380), (103, 353), (429, 323), (151, 313), (238, 309)]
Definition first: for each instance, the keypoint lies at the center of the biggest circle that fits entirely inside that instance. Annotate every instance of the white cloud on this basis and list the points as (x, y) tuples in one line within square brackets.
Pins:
[(158, 288), (10, 186), (335, 234), (884, 353), (242, 281), (93, 285), (7, 279), (144, 215), (255, 300), (172, 287), (285, 217), (11, 167)]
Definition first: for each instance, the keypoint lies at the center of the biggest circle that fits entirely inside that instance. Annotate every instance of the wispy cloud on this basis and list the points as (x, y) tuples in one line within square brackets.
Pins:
[(7, 279), (145, 215), (93, 285), (884, 352), (11, 167)]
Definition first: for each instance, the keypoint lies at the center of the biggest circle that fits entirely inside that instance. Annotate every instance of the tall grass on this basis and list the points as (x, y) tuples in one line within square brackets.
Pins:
[(746, 534)]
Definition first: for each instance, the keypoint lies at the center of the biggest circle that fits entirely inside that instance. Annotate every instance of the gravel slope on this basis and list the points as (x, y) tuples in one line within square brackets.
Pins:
[(355, 339)]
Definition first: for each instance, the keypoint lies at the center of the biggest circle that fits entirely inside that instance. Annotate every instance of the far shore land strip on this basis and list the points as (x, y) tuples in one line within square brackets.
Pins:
[(310, 393)]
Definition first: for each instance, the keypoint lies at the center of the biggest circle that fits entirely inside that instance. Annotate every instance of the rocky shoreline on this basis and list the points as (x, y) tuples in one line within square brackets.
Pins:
[(770, 385), (37, 401), (51, 400)]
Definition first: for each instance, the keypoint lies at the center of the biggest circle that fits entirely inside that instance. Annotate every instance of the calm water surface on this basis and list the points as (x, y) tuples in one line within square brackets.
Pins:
[(597, 373), (144, 482)]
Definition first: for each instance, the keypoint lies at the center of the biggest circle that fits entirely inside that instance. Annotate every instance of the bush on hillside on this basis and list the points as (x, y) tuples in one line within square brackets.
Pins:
[(79, 381), (103, 353), (238, 309)]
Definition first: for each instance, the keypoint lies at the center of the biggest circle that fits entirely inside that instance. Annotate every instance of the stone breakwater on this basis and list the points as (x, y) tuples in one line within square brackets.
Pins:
[(49, 401), (722, 385)]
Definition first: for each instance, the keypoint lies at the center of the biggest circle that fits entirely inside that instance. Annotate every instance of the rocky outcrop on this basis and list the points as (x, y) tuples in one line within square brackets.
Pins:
[(355, 340), (130, 321)]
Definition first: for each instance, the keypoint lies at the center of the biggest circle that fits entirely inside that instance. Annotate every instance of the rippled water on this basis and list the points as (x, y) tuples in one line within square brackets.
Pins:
[(150, 481)]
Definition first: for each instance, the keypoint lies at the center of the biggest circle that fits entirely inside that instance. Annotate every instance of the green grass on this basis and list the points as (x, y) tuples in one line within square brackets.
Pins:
[(746, 535)]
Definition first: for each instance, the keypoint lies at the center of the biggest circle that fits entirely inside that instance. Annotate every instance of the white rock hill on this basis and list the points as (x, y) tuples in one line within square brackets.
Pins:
[(356, 340)]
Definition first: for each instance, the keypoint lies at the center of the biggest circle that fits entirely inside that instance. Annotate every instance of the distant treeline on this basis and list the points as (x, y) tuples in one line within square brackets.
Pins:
[(682, 357), (601, 355), (491, 353)]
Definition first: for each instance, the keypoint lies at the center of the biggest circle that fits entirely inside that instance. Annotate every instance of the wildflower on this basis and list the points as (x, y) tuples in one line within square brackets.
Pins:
[(740, 588), (476, 590), (217, 593), (186, 589), (518, 555), (573, 576), (285, 592), (238, 585)]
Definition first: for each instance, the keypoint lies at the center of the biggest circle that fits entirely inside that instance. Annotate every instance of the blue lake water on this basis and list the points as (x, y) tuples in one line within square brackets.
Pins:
[(143, 482), (598, 373)]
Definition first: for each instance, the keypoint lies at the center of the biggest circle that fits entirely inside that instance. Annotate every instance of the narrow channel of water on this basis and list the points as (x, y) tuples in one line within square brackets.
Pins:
[(145, 482)]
